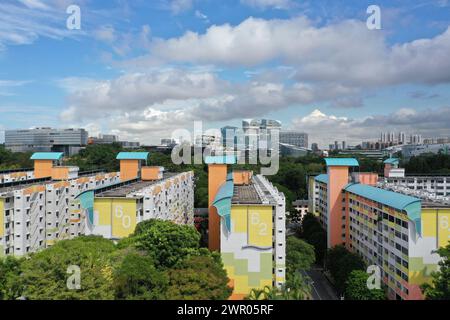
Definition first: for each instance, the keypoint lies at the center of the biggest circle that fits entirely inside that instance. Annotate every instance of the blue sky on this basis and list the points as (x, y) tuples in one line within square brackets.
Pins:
[(142, 69)]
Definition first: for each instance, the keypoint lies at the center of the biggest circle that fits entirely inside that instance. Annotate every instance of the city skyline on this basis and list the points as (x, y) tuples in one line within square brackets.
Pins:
[(132, 70)]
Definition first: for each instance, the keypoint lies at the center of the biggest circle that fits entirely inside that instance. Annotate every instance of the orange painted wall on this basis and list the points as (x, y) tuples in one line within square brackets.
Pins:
[(242, 177), (43, 168), (368, 178), (60, 173), (150, 173), (387, 168), (338, 179), (129, 169), (217, 174)]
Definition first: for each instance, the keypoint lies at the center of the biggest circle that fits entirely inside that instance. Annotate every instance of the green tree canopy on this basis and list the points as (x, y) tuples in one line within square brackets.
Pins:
[(167, 243), (137, 278), (439, 288), (356, 288), (314, 234), (44, 275), (200, 277), (341, 262), (9, 273), (299, 255)]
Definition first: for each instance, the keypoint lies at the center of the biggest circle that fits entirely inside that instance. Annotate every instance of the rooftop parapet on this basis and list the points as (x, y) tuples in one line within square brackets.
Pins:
[(341, 162), (143, 156), (130, 164)]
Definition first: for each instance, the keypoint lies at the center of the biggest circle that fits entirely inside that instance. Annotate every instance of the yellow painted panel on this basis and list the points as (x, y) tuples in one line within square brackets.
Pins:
[(2, 217), (102, 207), (230, 271), (429, 222), (239, 219), (444, 227), (260, 226), (267, 282), (241, 285), (123, 217)]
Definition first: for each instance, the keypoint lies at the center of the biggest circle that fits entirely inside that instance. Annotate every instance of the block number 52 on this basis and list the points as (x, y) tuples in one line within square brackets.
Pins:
[(256, 221)]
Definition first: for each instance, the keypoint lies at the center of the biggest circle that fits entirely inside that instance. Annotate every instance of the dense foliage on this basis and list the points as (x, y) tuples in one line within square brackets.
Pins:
[(14, 160), (9, 273), (137, 278), (44, 274), (166, 242), (197, 273), (101, 156), (439, 288), (299, 255), (340, 263), (313, 233), (428, 164), (356, 288)]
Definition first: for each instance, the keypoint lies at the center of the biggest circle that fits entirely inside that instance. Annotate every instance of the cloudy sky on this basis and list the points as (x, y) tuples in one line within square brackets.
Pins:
[(142, 69)]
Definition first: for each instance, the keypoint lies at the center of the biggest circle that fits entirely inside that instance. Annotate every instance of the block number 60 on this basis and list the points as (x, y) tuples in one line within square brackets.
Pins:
[(126, 220), (443, 221)]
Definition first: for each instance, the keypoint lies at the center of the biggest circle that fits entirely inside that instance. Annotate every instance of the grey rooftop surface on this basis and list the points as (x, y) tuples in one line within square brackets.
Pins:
[(122, 190), (245, 195)]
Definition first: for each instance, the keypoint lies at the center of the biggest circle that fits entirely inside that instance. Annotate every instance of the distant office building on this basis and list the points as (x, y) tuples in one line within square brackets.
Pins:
[(443, 140), (258, 133), (290, 150), (168, 142), (103, 139), (344, 145), (365, 153), (110, 139), (315, 147), (295, 138), (229, 136), (336, 145), (129, 144), (70, 141), (412, 150), (416, 139), (401, 138)]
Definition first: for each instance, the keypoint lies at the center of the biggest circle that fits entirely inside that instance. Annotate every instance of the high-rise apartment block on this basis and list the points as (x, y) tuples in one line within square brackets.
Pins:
[(247, 226), (396, 230), (61, 203)]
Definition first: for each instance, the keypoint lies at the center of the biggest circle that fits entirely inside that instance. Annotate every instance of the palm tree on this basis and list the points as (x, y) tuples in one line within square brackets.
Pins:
[(297, 288), (256, 294)]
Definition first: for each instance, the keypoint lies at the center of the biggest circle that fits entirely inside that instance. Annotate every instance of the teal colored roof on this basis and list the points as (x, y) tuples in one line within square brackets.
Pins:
[(222, 201), (392, 199), (132, 156), (391, 161), (47, 156), (322, 178), (228, 159), (396, 200), (342, 162)]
